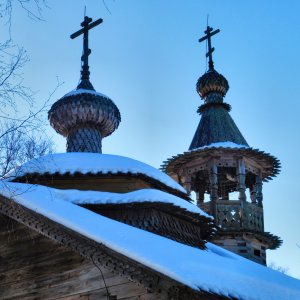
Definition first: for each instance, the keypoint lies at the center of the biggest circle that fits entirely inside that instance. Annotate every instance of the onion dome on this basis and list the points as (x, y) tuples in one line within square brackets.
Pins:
[(212, 82), (84, 116)]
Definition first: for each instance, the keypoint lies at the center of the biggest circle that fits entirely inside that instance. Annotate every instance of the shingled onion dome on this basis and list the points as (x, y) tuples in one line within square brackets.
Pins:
[(211, 83), (84, 116)]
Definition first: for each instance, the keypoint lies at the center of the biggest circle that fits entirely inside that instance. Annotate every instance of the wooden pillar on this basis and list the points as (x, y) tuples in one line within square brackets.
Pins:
[(200, 196), (258, 190), (187, 184), (225, 195), (241, 176), (213, 179), (252, 194)]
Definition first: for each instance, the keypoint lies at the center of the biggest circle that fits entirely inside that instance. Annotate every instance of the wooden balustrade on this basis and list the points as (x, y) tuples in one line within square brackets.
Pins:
[(237, 215)]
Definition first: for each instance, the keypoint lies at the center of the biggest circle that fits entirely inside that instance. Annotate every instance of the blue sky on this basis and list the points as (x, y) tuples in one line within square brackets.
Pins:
[(147, 59)]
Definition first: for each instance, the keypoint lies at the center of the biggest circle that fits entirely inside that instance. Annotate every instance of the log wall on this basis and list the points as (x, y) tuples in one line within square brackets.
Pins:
[(34, 267), (114, 184)]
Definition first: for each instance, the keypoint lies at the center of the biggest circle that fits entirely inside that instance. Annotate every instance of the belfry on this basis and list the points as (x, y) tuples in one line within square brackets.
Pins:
[(220, 162)]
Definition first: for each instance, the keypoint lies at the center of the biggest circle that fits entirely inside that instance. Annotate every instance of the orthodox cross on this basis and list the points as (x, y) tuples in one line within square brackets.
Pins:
[(208, 34), (85, 73)]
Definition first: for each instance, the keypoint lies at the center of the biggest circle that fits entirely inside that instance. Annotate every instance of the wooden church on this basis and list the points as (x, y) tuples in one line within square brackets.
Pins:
[(86, 225)]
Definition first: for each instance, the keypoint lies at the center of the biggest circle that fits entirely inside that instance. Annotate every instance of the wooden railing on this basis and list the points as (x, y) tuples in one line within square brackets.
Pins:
[(235, 215)]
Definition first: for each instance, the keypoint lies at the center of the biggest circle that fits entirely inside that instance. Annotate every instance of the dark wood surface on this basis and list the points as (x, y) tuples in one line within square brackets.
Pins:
[(34, 267), (115, 184)]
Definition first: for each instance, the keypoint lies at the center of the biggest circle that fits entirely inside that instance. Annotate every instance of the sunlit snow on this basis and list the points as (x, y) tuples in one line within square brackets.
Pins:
[(143, 195), (84, 91), (221, 145), (93, 163)]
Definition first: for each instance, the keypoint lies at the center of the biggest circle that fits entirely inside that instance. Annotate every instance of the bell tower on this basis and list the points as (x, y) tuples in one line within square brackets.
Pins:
[(221, 164)]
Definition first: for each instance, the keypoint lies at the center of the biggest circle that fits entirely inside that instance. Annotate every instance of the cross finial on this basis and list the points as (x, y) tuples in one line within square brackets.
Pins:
[(208, 34), (85, 73)]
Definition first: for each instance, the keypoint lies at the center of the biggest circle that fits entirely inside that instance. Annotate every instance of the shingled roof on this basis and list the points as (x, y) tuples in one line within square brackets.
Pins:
[(215, 126)]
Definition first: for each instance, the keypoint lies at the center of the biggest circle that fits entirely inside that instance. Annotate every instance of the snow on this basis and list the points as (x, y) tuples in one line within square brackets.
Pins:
[(221, 145), (84, 91), (139, 196), (93, 163), (214, 270)]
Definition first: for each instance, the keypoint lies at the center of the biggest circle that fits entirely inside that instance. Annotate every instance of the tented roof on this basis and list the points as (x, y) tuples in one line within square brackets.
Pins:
[(215, 126)]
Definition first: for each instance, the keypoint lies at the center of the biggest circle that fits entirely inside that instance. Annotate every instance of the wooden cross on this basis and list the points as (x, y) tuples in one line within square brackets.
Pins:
[(208, 34), (85, 73)]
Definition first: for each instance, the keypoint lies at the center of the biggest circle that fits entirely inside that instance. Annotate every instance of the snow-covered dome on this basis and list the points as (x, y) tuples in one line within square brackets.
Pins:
[(84, 117), (81, 107)]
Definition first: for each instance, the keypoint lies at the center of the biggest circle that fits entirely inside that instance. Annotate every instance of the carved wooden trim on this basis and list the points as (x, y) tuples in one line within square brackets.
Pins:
[(268, 164), (161, 218)]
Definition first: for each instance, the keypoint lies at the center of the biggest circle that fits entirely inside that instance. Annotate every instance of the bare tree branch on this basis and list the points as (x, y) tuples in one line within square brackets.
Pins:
[(22, 134), (33, 9), (12, 60), (106, 6), (31, 122), (277, 268), (18, 146)]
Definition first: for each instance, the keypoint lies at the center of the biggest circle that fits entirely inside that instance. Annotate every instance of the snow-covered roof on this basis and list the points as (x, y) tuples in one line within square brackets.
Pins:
[(221, 145), (213, 270), (93, 163), (139, 196), (84, 91), (269, 163)]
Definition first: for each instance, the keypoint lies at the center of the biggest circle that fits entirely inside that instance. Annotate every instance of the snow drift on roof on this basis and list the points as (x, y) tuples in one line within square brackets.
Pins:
[(84, 91), (143, 195), (94, 163), (214, 270)]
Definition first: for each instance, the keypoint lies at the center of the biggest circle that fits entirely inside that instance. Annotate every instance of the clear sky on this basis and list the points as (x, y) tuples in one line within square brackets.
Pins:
[(147, 59)]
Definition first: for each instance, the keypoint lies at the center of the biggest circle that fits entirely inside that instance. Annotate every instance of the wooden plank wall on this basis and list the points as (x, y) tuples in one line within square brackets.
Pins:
[(34, 267), (113, 184)]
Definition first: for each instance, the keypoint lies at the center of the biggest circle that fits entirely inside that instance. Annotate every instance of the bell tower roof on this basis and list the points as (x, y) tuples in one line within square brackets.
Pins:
[(216, 125)]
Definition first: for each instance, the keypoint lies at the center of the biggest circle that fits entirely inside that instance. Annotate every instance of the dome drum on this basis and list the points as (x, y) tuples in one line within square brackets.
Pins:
[(84, 140)]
